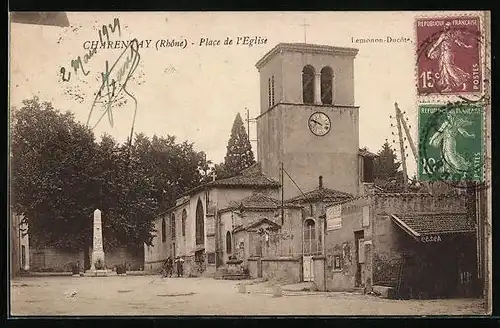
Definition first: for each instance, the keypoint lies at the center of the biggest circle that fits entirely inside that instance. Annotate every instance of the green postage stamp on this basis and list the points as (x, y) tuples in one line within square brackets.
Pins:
[(451, 142)]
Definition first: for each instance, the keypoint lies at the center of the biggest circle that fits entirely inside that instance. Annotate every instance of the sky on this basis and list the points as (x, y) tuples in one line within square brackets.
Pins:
[(195, 92)]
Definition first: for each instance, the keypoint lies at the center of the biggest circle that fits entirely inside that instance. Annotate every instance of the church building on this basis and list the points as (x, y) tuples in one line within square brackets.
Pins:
[(308, 210), (308, 157)]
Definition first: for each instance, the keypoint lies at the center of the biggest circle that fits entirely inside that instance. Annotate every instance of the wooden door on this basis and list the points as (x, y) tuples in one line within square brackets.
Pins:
[(308, 268), (360, 256)]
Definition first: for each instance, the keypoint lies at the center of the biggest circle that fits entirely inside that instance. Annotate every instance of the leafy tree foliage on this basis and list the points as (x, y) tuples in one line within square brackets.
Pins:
[(221, 172), (173, 168), (239, 154), (51, 170), (60, 175)]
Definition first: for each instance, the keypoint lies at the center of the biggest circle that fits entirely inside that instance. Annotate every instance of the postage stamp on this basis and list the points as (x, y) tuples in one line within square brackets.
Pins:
[(451, 142), (449, 55)]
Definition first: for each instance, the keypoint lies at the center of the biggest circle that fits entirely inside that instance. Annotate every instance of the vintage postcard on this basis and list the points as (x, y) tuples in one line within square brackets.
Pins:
[(250, 163)]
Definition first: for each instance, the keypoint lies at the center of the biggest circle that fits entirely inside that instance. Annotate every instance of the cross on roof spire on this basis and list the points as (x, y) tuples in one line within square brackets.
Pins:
[(305, 34)]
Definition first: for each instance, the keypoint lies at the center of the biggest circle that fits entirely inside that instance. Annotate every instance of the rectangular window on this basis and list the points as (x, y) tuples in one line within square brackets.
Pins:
[(366, 216), (367, 169), (337, 264)]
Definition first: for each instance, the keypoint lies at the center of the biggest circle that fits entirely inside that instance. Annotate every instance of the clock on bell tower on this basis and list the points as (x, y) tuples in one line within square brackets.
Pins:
[(308, 120)]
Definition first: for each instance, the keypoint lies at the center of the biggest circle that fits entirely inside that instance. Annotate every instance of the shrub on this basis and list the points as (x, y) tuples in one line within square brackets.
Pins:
[(75, 268), (47, 270), (121, 269)]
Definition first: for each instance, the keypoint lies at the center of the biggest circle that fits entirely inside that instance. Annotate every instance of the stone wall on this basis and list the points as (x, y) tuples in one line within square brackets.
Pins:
[(319, 272), (19, 240), (390, 243), (386, 204), (340, 245), (282, 269), (386, 260), (255, 267), (52, 259)]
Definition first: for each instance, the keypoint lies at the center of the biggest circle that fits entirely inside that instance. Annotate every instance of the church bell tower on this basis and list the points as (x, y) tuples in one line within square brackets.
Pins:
[(308, 119)]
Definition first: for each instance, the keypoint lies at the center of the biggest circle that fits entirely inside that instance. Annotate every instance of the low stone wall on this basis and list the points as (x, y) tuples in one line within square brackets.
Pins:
[(254, 267), (319, 272), (153, 266), (56, 260), (282, 269)]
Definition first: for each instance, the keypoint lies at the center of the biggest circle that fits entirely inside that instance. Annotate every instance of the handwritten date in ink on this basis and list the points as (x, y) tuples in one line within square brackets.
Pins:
[(78, 63)]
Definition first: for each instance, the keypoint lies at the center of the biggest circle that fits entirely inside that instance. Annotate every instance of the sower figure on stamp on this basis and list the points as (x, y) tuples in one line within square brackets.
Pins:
[(446, 139), (450, 75)]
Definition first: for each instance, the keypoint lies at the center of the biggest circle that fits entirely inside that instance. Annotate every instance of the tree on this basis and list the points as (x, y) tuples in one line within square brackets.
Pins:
[(221, 172), (60, 175), (239, 154), (51, 169), (146, 180), (174, 168), (386, 168)]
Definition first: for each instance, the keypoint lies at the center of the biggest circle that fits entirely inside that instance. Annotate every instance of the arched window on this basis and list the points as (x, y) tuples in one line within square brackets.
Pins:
[(308, 84), (200, 224), (183, 222), (228, 243), (310, 242), (163, 230), (326, 86), (172, 226)]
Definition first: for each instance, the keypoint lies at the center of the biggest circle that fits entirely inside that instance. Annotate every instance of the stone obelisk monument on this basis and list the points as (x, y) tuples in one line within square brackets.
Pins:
[(97, 250)]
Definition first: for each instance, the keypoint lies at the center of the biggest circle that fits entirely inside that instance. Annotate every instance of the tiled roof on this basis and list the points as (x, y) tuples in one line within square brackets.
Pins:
[(258, 200), (246, 180), (434, 223), (255, 224), (365, 153), (321, 194)]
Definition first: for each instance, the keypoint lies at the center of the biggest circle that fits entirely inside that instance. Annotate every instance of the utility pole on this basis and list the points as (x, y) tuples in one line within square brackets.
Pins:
[(402, 122), (402, 147), (407, 131), (282, 195), (248, 123), (249, 120)]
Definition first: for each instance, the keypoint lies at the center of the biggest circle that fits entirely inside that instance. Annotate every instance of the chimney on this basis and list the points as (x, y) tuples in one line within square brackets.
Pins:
[(320, 182)]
